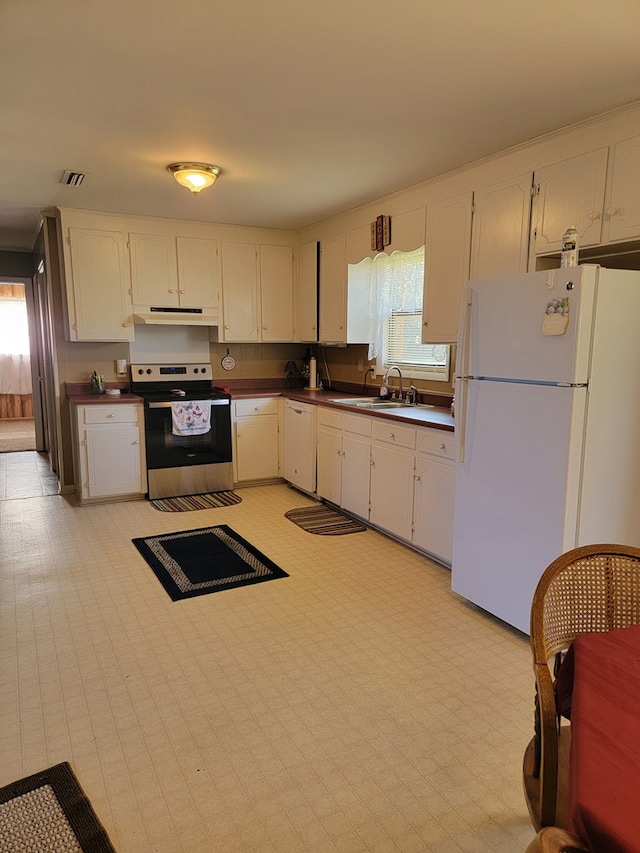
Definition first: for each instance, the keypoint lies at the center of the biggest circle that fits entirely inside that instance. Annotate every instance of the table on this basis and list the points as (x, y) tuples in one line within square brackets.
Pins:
[(604, 800)]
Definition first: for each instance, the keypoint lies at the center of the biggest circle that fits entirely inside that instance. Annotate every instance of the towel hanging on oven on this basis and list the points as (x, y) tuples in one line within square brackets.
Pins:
[(191, 417)]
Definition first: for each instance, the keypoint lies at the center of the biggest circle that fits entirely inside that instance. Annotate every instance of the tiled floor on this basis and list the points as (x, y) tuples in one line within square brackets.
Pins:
[(357, 705), (26, 475)]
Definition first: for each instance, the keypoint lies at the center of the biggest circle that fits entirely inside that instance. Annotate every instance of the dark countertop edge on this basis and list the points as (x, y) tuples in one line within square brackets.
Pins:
[(102, 399)]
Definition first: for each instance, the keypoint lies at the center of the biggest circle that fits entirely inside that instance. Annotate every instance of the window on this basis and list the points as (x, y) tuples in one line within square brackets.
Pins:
[(395, 284)]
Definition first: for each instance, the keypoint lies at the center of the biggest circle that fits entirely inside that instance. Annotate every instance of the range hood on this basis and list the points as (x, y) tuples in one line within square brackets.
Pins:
[(158, 316)]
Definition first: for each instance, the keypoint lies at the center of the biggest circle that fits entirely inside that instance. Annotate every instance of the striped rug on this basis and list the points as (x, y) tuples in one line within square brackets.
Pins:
[(190, 502), (323, 520)]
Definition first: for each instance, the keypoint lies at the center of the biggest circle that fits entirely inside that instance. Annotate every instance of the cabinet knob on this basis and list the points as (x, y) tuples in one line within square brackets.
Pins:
[(418, 480), (612, 211), (109, 416), (264, 328), (425, 323), (181, 291), (392, 436), (595, 215), (443, 446), (256, 408), (170, 291)]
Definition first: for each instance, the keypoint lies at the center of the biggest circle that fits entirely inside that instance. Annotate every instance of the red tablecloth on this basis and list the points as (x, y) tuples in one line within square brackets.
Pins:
[(604, 806)]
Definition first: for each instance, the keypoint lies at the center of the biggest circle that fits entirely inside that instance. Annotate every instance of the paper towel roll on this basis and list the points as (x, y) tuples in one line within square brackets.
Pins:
[(313, 373)]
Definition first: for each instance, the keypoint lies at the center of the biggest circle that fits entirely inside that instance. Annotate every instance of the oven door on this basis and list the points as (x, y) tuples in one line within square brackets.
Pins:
[(168, 450)]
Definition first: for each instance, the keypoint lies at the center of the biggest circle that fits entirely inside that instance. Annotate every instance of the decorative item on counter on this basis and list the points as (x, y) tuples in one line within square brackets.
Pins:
[(295, 378), (97, 383), (570, 248), (556, 317), (113, 392)]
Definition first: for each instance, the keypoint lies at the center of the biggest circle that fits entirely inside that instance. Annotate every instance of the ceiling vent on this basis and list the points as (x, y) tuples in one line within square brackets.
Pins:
[(72, 179)]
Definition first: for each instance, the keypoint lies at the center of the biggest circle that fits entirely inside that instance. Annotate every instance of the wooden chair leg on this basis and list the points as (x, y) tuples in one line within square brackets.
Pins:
[(552, 839)]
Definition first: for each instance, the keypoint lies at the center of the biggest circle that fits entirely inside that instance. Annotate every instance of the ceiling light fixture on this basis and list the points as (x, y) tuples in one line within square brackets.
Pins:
[(195, 176)]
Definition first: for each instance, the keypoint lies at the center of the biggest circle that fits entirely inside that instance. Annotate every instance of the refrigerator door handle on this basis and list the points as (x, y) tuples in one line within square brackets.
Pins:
[(465, 334), (462, 387)]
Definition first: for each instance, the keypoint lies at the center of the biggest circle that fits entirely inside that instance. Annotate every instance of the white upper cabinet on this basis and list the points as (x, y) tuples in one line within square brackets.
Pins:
[(240, 298), (197, 272), (257, 293), (500, 233), (276, 293), (622, 210), (307, 302), (570, 193), (172, 272), (333, 290), (97, 280), (446, 267)]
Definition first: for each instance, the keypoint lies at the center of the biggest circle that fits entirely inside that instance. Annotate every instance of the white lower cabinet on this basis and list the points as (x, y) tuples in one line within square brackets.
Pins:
[(330, 454), (109, 452), (434, 493), (399, 478), (257, 439), (356, 464), (299, 453), (392, 465)]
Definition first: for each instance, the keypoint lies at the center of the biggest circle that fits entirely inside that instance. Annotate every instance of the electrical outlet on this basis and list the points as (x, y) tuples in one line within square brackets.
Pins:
[(360, 366)]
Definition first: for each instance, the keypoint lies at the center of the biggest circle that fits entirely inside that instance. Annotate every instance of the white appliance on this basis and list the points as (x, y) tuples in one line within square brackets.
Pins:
[(548, 428)]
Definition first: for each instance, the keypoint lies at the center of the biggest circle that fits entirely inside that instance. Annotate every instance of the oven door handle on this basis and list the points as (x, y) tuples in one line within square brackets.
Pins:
[(170, 403)]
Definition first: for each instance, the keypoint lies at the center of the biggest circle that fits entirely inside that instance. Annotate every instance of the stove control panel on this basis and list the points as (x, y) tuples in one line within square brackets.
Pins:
[(170, 372)]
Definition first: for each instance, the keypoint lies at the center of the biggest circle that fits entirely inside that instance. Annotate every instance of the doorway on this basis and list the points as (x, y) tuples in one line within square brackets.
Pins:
[(17, 416)]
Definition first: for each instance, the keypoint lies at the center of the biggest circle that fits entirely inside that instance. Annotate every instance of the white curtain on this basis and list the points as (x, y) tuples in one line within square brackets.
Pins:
[(15, 365), (396, 285)]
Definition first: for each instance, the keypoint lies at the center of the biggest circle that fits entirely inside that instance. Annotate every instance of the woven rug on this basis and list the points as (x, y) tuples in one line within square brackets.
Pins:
[(50, 813), (196, 562), (324, 521), (190, 502)]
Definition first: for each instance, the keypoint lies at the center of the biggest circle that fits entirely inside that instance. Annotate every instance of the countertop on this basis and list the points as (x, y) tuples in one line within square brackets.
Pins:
[(437, 417)]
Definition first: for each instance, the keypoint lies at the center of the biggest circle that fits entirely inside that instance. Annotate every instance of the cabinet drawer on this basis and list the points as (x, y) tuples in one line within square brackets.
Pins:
[(436, 442), (257, 406), (329, 418), (101, 414), (358, 424), (394, 434)]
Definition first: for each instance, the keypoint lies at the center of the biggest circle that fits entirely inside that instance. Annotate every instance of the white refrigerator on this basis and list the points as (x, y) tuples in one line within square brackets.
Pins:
[(547, 428)]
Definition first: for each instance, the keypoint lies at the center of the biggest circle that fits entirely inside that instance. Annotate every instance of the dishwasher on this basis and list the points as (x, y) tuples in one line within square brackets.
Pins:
[(299, 467)]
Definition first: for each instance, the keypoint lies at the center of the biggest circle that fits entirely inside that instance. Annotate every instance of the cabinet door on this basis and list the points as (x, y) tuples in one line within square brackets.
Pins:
[(112, 461), (308, 293), (356, 475), (197, 272), (392, 490), (276, 292), (500, 232), (257, 456), (329, 473), (446, 267), (622, 216), (154, 272), (333, 290), (570, 193), (100, 308), (433, 507), (240, 304)]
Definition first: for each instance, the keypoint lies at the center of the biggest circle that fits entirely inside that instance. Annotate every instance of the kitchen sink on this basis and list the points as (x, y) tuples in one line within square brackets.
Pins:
[(372, 403)]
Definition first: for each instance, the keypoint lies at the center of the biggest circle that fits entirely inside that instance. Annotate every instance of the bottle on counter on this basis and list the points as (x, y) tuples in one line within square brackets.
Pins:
[(570, 248)]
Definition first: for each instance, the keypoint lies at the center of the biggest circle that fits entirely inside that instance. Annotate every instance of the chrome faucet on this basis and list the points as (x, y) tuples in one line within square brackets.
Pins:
[(412, 396), (384, 388)]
